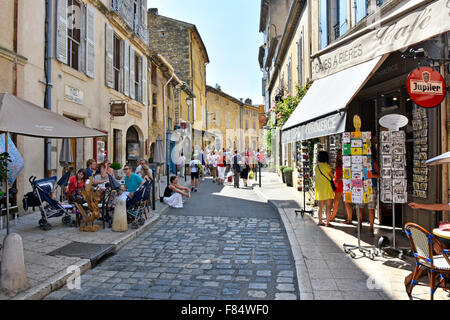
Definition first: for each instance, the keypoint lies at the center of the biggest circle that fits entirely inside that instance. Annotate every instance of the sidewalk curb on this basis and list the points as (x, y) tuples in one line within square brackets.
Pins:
[(60, 279), (299, 260)]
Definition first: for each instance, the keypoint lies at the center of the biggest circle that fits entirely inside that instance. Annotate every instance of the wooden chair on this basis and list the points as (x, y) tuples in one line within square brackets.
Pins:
[(422, 244)]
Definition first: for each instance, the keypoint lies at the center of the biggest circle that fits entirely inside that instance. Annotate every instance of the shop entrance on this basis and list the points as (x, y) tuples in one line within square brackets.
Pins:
[(134, 151)]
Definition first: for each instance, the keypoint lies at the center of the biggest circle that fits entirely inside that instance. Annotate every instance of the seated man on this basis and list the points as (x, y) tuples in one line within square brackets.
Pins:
[(132, 182), (174, 192)]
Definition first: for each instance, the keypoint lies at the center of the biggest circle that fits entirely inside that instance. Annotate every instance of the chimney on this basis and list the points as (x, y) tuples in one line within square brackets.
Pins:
[(218, 87), (153, 11), (248, 101)]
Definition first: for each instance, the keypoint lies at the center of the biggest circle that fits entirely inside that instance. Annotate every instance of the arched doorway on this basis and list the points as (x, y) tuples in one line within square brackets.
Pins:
[(134, 147)]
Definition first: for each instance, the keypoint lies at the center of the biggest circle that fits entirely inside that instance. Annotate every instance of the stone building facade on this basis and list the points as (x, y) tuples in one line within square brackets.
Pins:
[(181, 44)]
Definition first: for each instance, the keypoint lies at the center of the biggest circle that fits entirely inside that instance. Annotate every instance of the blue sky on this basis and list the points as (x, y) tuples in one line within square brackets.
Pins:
[(230, 31)]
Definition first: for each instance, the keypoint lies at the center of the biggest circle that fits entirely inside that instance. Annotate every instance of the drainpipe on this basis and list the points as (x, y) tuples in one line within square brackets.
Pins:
[(48, 79)]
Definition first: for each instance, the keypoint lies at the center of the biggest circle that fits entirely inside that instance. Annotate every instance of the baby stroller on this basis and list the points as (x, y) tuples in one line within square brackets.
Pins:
[(136, 205), (41, 193)]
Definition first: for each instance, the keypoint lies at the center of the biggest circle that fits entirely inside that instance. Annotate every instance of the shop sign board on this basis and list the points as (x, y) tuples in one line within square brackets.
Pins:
[(385, 36), (118, 109), (326, 126), (426, 87), (73, 94), (393, 122)]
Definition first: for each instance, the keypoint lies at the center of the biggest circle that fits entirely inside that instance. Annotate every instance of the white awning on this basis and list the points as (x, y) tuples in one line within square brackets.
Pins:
[(332, 94)]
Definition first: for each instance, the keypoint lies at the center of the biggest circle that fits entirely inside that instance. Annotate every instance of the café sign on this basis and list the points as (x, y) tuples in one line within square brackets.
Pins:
[(419, 21), (426, 87)]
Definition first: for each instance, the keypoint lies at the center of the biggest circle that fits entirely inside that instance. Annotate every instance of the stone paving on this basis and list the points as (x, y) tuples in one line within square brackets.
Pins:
[(225, 244)]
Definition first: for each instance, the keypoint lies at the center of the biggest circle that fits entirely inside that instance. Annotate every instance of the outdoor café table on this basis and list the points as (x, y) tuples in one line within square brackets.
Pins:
[(444, 236)]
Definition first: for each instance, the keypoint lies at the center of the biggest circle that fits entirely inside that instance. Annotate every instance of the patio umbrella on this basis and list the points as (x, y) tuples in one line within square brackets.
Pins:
[(66, 155), (443, 158), (158, 156), (22, 117)]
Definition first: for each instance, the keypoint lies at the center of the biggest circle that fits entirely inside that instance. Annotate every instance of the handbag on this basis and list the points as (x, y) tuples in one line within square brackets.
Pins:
[(333, 186)]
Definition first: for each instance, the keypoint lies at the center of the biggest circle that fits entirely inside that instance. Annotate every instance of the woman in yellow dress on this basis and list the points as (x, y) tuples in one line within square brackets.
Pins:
[(324, 192)]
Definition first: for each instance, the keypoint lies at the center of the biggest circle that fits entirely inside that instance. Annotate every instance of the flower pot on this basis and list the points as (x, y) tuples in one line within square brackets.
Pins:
[(288, 177)]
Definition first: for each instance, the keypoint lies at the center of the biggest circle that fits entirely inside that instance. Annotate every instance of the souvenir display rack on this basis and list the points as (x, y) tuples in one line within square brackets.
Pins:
[(303, 167), (420, 170)]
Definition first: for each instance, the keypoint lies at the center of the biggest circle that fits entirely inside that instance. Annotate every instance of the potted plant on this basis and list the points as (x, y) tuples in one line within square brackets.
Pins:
[(287, 173), (282, 174), (116, 167)]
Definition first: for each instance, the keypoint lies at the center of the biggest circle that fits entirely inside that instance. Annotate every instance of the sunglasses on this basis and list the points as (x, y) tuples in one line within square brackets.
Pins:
[(126, 169)]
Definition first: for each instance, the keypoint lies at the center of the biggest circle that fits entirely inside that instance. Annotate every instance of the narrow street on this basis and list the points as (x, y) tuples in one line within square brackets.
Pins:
[(225, 243)]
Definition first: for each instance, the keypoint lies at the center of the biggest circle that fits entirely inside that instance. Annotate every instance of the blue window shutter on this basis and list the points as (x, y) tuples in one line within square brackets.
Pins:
[(360, 9), (323, 23), (342, 17)]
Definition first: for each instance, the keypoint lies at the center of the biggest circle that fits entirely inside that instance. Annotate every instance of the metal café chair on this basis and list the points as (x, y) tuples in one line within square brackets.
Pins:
[(422, 244)]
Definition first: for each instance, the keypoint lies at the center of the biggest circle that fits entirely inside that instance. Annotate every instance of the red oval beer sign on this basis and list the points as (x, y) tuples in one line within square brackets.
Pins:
[(426, 87)]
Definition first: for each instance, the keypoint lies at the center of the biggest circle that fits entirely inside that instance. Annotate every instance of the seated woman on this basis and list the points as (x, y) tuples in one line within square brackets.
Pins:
[(174, 192), (76, 184)]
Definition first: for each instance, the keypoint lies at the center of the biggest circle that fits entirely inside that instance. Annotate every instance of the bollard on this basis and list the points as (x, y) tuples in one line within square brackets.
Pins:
[(120, 223), (259, 176), (153, 191), (13, 275)]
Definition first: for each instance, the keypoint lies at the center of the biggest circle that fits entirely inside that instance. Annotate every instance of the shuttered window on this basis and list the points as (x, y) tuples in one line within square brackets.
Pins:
[(342, 17), (61, 31), (132, 73), (74, 34), (137, 77), (289, 75), (144, 81), (109, 56), (126, 68), (360, 10), (300, 59), (323, 23), (90, 41)]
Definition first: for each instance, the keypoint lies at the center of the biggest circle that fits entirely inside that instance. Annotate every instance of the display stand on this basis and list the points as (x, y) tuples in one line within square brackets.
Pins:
[(370, 250), (393, 171), (357, 179), (303, 211)]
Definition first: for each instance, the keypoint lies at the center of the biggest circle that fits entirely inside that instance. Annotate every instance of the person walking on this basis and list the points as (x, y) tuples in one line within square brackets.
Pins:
[(338, 176), (214, 163), (203, 164), (236, 168), (173, 194), (245, 168), (221, 166), (324, 192), (195, 166)]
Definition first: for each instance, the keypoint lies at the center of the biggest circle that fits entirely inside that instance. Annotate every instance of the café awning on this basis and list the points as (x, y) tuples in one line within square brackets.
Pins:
[(321, 112)]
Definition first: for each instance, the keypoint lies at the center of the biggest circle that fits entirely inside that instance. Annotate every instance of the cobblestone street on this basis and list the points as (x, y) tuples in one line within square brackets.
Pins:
[(225, 244)]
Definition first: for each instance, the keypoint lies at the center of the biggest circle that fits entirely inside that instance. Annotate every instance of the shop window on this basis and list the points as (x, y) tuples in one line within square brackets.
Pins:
[(154, 114)]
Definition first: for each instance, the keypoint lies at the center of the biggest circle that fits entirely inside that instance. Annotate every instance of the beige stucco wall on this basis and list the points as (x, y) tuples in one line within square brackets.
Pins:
[(198, 75)]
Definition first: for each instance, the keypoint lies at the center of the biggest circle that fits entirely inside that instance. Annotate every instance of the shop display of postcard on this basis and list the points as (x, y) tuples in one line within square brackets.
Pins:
[(346, 150), (398, 166), (417, 124), (386, 197), (357, 175), (423, 149), (385, 136), (399, 198), (357, 183), (347, 185), (398, 174), (356, 151), (416, 193), (416, 178), (357, 167), (347, 173), (368, 183), (423, 156), (423, 163), (416, 170), (398, 158), (346, 137), (386, 173), (365, 173), (386, 161), (424, 133), (416, 156), (425, 124), (417, 142), (416, 185), (423, 141), (356, 143), (416, 163), (398, 182), (346, 161), (398, 135), (357, 160), (422, 194), (424, 171), (423, 186), (386, 184), (385, 148), (398, 149)]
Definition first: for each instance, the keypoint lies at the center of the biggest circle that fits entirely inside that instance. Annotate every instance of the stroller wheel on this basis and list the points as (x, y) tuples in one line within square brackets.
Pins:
[(66, 220), (135, 224), (46, 226), (42, 222), (141, 220)]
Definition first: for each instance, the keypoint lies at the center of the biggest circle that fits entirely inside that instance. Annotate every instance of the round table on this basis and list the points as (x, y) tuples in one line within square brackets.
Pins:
[(444, 236)]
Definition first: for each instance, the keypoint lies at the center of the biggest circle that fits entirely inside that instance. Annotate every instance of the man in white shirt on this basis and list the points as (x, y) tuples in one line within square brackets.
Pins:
[(181, 164), (194, 165)]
